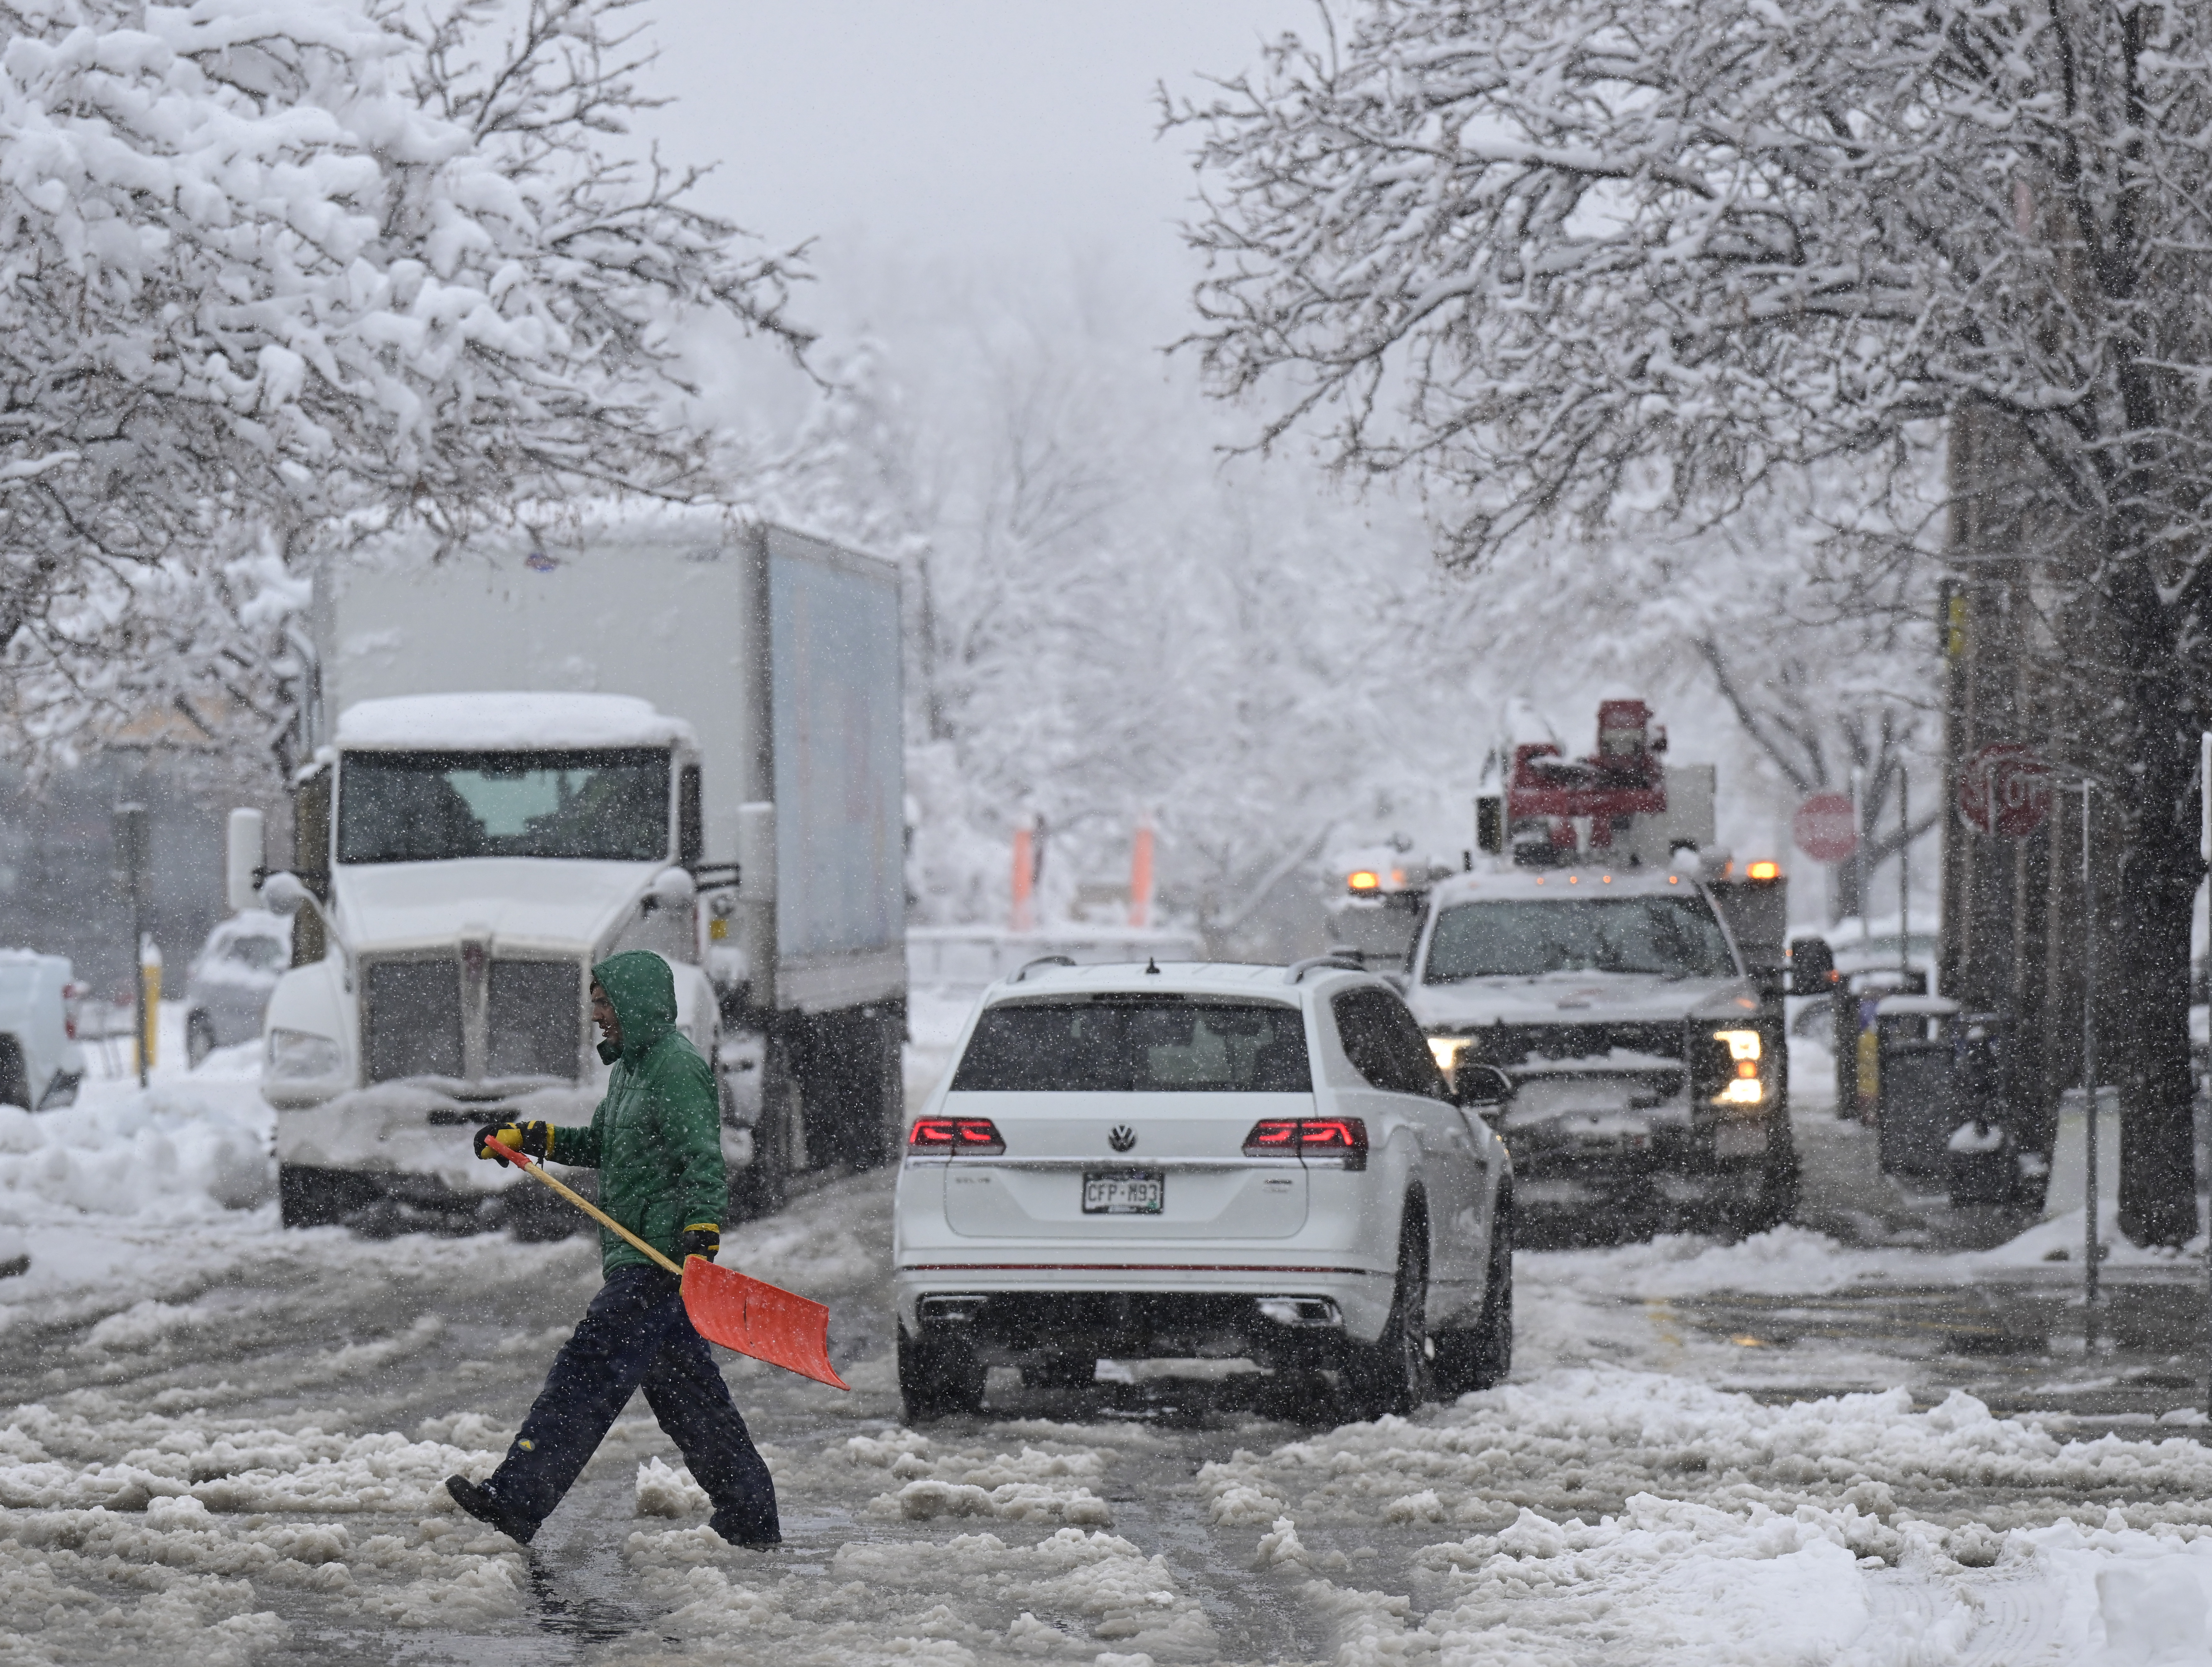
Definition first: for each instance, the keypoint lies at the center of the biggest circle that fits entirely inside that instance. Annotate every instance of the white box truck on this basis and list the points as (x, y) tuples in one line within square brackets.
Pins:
[(676, 730)]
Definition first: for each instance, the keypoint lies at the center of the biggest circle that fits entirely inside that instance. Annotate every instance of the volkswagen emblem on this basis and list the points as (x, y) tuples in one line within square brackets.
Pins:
[(1122, 1137)]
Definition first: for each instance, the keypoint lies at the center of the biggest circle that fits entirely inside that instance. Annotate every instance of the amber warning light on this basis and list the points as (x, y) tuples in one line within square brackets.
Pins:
[(1366, 879), (1765, 871)]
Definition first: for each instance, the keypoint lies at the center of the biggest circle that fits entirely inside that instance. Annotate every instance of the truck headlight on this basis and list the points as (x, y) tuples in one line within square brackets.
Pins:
[(1447, 1049), (303, 1056), (1743, 1086)]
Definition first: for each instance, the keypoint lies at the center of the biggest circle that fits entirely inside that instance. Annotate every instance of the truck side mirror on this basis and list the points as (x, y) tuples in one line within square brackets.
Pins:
[(243, 856), (1480, 1087), (1490, 824), (1812, 967), (285, 894)]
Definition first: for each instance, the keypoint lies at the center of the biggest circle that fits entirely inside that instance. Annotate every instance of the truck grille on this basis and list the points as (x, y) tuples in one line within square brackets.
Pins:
[(411, 1022), (1511, 1045), (537, 1017)]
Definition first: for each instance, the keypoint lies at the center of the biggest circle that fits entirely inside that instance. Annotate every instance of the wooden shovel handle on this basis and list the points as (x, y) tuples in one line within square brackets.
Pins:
[(530, 1167)]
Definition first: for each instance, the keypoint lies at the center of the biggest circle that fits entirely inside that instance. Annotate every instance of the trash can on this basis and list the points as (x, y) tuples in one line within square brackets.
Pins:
[(1918, 1060)]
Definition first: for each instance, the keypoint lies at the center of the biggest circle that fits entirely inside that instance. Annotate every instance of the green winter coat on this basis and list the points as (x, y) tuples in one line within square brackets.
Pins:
[(656, 1139)]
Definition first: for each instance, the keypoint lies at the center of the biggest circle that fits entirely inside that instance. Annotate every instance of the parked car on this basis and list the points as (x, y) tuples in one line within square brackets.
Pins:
[(1186, 1160), (40, 1063), (227, 989)]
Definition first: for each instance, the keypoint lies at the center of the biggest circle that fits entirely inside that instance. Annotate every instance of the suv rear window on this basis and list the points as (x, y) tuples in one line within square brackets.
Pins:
[(1148, 1045)]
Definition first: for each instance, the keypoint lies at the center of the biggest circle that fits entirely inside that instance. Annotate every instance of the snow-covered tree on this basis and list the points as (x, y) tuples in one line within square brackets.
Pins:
[(1539, 258), (272, 269)]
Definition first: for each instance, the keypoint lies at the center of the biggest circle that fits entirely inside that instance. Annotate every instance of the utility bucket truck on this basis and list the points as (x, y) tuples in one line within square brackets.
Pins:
[(672, 733), (1628, 982)]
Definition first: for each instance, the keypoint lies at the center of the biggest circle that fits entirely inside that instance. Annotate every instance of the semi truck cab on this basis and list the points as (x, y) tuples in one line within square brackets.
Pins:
[(483, 850)]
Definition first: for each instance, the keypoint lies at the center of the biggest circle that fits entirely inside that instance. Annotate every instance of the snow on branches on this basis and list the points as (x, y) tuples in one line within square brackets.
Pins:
[(267, 264), (1522, 250)]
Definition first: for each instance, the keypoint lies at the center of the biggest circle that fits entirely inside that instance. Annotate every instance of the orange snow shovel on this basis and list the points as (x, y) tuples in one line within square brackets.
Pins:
[(726, 1306)]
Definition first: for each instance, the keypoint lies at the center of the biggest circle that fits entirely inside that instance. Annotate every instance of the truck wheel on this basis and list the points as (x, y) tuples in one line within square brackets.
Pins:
[(763, 1186), (321, 1197), (535, 1215), (1480, 1357), (938, 1378), (1391, 1374), (1769, 1200)]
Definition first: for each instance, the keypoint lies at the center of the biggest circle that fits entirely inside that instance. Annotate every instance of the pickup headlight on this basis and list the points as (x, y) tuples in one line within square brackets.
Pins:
[(303, 1056), (1743, 1085)]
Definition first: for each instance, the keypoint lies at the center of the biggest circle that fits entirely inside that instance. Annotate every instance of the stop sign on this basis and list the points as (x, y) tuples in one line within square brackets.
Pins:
[(2004, 789), (1825, 828)]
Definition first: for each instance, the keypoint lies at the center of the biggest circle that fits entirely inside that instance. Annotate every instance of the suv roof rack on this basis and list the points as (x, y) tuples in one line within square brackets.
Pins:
[(1029, 967), (1338, 963)]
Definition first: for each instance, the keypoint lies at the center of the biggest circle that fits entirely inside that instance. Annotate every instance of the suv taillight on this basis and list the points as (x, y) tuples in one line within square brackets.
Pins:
[(958, 1137), (1337, 1142)]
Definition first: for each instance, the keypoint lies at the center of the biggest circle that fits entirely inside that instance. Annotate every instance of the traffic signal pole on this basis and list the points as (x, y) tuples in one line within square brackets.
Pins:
[(2091, 1246)]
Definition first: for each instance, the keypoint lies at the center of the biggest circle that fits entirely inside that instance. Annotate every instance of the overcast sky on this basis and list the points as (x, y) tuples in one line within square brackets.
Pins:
[(1010, 141)]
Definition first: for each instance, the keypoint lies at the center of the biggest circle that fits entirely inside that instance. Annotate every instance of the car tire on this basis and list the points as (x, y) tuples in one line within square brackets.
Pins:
[(938, 1378), (200, 1038), (1391, 1374), (1481, 1356)]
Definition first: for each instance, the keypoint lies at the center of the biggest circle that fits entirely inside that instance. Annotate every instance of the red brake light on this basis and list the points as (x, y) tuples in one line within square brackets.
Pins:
[(1339, 1142), (965, 1136), (1328, 1136), (978, 1136)]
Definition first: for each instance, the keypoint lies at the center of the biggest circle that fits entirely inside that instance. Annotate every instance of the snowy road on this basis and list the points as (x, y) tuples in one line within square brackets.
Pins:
[(226, 1441)]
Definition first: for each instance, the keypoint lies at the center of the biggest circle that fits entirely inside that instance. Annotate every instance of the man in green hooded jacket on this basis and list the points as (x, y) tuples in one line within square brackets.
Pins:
[(656, 1141)]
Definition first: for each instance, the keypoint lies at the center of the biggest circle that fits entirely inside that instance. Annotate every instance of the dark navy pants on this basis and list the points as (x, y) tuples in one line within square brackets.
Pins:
[(636, 1336)]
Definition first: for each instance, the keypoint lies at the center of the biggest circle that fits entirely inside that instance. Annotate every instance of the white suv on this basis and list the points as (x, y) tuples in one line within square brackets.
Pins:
[(1203, 1160)]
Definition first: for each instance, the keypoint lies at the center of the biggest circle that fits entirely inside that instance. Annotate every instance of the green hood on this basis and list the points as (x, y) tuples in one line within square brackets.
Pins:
[(643, 991)]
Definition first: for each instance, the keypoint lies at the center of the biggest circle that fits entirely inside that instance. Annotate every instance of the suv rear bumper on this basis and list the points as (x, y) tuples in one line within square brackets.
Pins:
[(1027, 1303)]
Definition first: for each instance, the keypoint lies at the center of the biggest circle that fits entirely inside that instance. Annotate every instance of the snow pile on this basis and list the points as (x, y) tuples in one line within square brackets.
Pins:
[(663, 1492), (130, 1535), (52, 1460), (1786, 1261), (168, 1154), (1665, 1581), (1047, 1483), (1581, 1442), (973, 1596), (1638, 1519)]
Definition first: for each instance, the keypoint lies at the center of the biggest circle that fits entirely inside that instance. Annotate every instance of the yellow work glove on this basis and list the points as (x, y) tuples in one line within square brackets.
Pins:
[(533, 1139)]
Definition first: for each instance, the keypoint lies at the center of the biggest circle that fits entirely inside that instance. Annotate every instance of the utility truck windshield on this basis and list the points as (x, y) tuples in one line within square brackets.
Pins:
[(1674, 937), (610, 805)]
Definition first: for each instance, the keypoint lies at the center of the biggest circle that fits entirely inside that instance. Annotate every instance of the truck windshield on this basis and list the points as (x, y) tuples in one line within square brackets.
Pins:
[(427, 806), (1140, 1046), (1670, 936)]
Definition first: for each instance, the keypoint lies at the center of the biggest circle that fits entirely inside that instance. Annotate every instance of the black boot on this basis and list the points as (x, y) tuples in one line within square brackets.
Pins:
[(745, 1536), (486, 1506)]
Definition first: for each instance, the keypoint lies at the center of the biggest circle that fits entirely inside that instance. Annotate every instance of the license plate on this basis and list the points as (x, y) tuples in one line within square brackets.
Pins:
[(1140, 1194)]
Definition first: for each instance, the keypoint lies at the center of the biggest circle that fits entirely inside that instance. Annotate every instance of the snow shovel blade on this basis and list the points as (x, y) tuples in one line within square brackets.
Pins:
[(740, 1312)]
